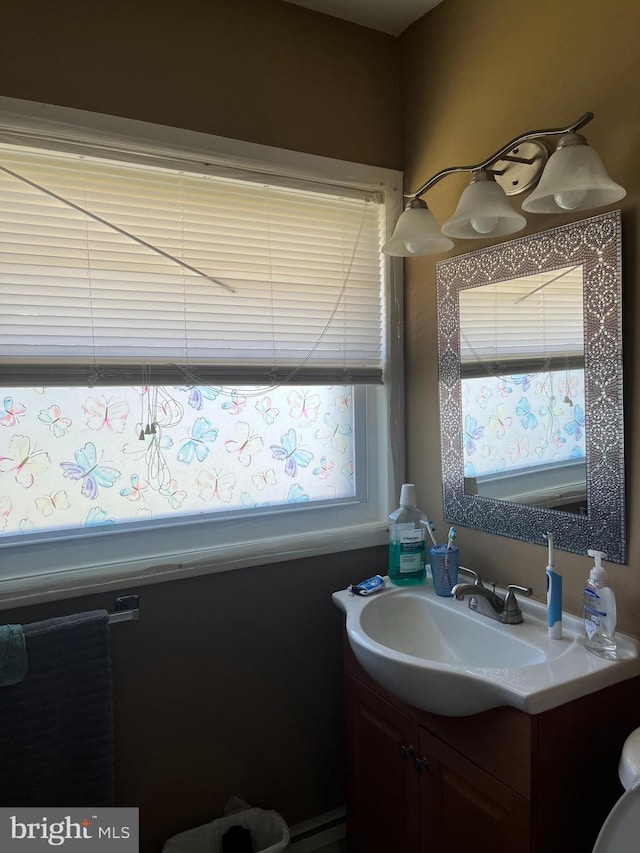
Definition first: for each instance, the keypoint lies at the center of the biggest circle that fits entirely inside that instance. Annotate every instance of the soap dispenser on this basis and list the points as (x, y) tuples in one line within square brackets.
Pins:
[(599, 611)]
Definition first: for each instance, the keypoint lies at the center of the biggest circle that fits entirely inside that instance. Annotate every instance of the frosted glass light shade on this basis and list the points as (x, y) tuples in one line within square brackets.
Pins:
[(574, 179), (483, 211), (416, 233)]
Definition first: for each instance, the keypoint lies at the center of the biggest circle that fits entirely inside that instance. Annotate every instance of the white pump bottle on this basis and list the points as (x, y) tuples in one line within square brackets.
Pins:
[(599, 611)]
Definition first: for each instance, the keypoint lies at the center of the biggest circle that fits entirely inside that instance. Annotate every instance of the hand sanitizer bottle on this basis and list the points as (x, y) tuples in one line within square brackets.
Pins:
[(599, 611), (407, 551)]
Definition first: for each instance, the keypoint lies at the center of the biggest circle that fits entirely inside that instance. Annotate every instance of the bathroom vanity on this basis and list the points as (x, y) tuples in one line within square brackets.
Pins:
[(501, 781)]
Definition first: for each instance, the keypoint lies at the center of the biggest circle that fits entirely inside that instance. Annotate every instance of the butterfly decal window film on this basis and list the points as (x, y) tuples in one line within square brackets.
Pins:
[(109, 414), (291, 453), (72, 458), (90, 471), (24, 461), (202, 434), (11, 412)]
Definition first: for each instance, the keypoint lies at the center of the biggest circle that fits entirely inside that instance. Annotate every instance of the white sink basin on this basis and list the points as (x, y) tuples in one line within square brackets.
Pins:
[(438, 655)]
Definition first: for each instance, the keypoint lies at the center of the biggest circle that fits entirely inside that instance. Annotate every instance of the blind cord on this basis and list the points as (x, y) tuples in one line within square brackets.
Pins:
[(116, 228)]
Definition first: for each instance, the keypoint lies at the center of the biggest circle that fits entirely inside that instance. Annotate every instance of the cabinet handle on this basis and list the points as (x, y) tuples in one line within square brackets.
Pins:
[(407, 751), (420, 764)]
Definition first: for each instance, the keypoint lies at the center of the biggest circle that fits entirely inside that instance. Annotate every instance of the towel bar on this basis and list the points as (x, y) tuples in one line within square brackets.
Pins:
[(127, 609)]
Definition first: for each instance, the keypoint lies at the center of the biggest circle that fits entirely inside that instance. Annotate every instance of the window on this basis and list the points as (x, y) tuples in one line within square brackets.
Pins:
[(192, 346)]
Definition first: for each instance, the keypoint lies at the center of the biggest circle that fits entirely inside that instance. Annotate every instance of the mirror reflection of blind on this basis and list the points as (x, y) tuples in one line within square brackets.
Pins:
[(524, 324)]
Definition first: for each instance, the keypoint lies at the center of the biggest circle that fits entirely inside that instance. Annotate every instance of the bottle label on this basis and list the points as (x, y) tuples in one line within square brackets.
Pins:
[(592, 616), (412, 551)]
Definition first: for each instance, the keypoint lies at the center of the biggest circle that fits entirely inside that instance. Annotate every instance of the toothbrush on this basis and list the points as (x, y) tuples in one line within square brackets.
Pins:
[(431, 528), (446, 578), (554, 595)]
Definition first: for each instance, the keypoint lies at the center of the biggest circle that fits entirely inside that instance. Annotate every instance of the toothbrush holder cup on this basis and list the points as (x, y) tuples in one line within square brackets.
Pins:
[(444, 568)]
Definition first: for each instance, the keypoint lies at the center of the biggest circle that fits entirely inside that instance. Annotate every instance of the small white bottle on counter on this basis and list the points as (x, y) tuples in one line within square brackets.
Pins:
[(599, 611)]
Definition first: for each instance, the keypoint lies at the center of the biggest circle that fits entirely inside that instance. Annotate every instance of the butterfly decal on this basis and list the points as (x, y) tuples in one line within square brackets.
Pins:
[(576, 453), (500, 421), (522, 379), (469, 471), (348, 471), (235, 404), (97, 516), (199, 393), (88, 469), (202, 434), (48, 504), (264, 479), (105, 413), (216, 486), (576, 425), (303, 404), (26, 462), (483, 396), (504, 390), (10, 413), (519, 449), (337, 435), (173, 494), (5, 508), (136, 490), (472, 432), (553, 409), (324, 469), (27, 526), (289, 452), (527, 417), (489, 451), (297, 494), (558, 439), (245, 443), (343, 402), (268, 412), (53, 418)]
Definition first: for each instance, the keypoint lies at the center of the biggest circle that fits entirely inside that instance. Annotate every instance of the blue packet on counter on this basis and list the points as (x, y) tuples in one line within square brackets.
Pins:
[(367, 587)]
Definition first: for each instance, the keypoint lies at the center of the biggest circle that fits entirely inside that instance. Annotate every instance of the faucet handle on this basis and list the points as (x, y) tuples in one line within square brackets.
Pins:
[(525, 590), (510, 602), (477, 580)]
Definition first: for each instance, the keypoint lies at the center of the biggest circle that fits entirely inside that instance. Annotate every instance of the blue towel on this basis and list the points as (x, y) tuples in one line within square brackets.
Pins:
[(56, 725), (13, 655)]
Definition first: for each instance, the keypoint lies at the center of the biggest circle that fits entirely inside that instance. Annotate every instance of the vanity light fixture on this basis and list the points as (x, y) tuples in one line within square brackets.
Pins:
[(572, 178)]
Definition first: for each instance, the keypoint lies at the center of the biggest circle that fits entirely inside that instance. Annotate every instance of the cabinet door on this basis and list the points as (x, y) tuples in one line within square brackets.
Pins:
[(464, 808), (383, 783)]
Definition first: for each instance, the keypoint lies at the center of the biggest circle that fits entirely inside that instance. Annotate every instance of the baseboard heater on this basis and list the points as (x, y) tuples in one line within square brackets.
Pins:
[(319, 832)]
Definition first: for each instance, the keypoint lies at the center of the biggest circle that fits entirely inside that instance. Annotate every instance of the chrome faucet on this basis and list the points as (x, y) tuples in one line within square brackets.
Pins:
[(490, 603)]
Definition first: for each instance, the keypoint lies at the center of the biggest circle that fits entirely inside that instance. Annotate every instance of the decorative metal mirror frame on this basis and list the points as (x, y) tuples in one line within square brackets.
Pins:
[(596, 244)]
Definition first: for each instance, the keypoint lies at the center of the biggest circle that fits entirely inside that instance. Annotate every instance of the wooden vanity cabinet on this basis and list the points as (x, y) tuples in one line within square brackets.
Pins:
[(502, 781)]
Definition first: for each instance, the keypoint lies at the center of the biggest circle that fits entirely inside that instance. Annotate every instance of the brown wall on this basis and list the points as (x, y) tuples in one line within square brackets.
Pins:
[(229, 684), (258, 70), (474, 76)]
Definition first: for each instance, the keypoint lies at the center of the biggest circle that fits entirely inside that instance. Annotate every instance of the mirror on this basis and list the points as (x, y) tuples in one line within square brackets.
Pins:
[(530, 381)]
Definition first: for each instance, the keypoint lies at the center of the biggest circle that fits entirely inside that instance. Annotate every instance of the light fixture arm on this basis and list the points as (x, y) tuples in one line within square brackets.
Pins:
[(500, 154)]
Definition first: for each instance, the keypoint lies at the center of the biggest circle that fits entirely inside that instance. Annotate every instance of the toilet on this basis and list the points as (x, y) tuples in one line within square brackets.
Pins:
[(621, 830)]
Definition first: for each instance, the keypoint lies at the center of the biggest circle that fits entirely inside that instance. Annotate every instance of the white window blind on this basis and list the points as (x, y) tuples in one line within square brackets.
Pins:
[(513, 324), (183, 274)]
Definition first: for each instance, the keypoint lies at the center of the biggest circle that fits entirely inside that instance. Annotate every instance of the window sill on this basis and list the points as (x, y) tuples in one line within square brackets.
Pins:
[(58, 585)]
